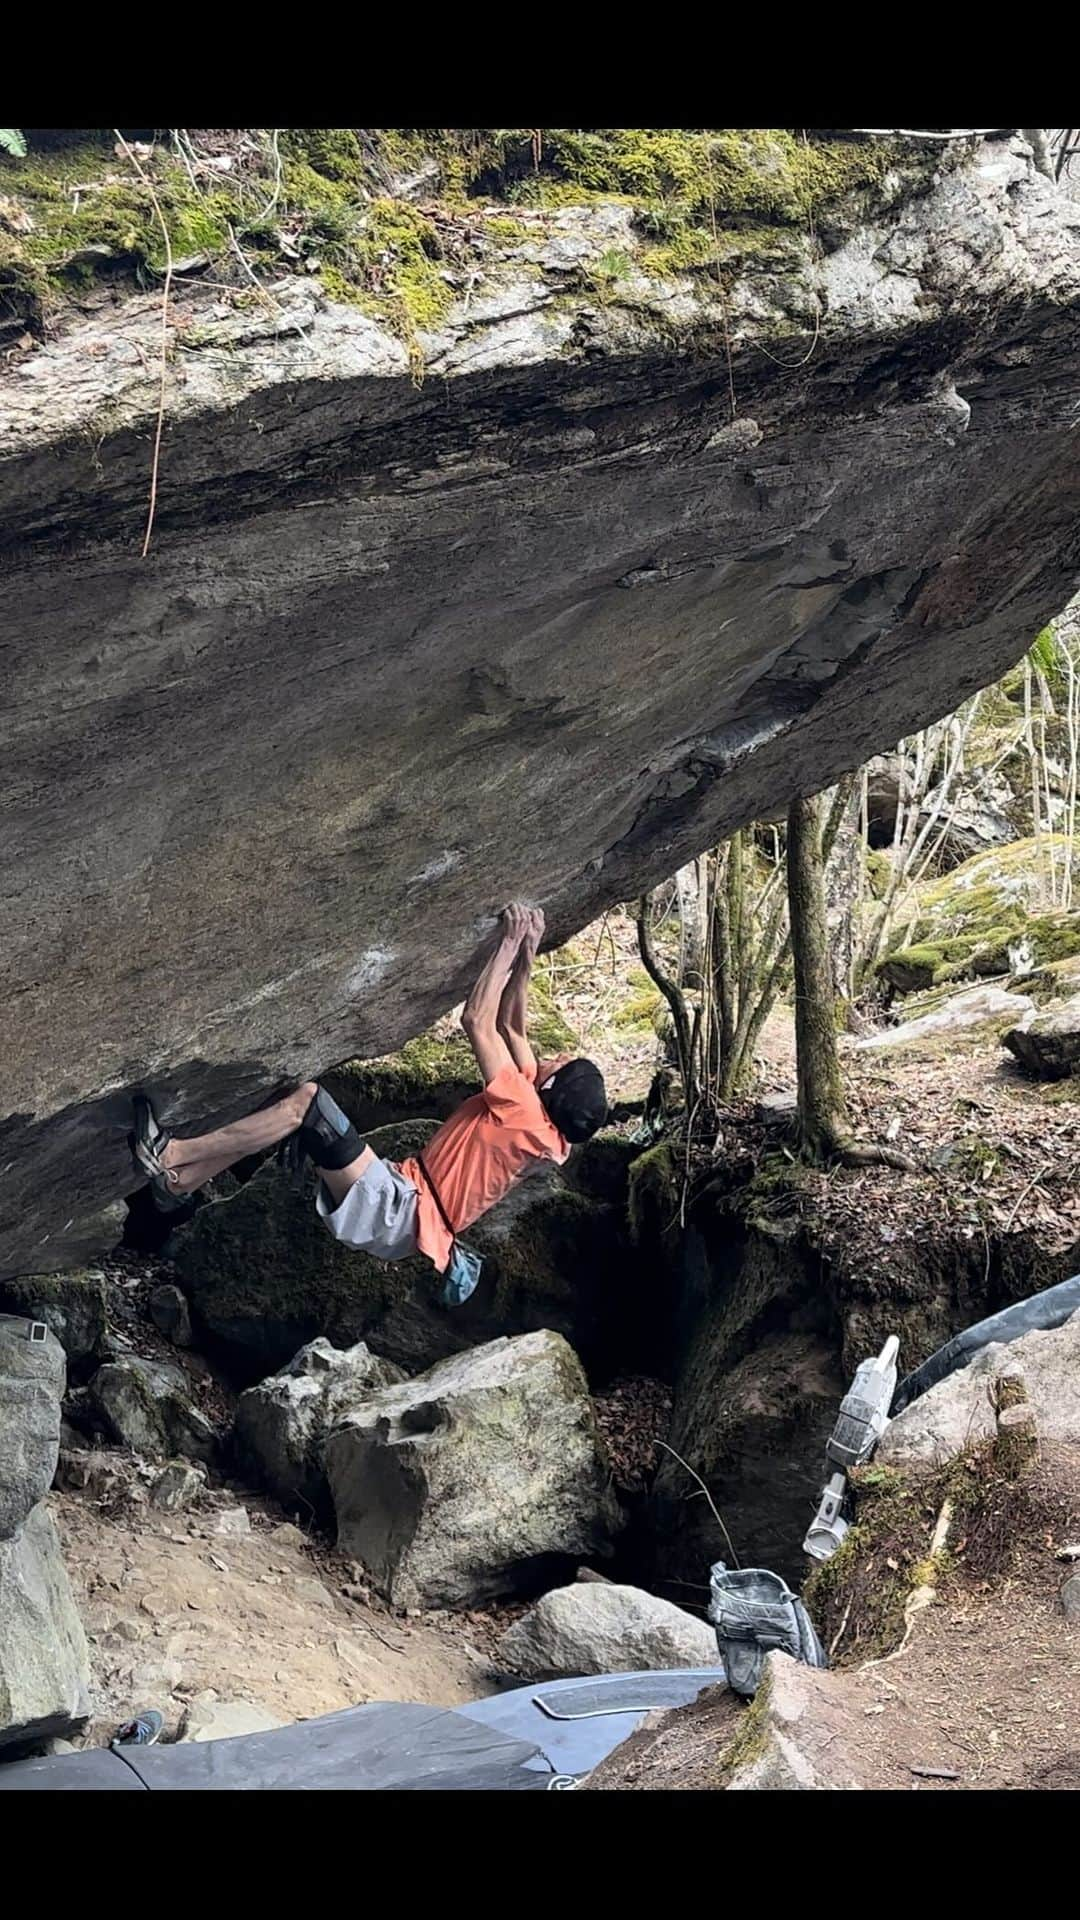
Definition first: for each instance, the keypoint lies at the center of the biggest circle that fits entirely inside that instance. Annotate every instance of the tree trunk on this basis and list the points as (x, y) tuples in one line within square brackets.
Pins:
[(823, 1121), (691, 891)]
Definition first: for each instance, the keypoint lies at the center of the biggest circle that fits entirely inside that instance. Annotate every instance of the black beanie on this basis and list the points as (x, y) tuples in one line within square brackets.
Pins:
[(575, 1098)]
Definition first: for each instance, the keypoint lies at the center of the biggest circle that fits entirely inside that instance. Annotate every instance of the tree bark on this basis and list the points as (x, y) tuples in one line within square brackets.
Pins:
[(823, 1121), (824, 1128), (691, 891)]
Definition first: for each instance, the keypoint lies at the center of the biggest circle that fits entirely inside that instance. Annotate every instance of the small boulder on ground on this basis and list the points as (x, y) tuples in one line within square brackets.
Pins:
[(177, 1485), (282, 1423), (171, 1315), (959, 1411), (796, 1743), (599, 1627), (475, 1478), (1049, 1045), (147, 1407), (209, 1718)]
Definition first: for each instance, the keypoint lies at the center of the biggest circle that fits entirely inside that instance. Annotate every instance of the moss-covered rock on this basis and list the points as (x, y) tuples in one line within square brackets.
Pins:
[(342, 202), (994, 913), (425, 1081), (73, 1305), (264, 1276)]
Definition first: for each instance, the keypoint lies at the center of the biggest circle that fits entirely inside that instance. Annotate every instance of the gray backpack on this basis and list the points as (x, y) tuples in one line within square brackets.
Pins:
[(753, 1612)]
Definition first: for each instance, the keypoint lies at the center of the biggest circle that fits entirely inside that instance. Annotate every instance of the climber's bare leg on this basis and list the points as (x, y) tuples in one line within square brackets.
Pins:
[(189, 1164), (338, 1180)]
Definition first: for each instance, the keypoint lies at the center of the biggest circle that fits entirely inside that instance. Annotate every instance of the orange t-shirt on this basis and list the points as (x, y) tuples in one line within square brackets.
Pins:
[(476, 1156)]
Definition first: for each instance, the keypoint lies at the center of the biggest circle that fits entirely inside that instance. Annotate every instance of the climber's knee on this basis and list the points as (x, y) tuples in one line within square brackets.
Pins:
[(327, 1135)]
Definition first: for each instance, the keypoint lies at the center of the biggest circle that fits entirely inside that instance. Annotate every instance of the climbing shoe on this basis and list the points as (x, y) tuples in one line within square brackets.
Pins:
[(148, 1142), (144, 1731)]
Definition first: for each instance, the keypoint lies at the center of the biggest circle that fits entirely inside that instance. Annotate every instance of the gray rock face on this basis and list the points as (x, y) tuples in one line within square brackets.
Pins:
[(282, 1422), (44, 1667), (794, 1750), (604, 1628), (43, 1659), (958, 1411), (1049, 1045), (469, 1481), (32, 1376), (147, 1408), (552, 560)]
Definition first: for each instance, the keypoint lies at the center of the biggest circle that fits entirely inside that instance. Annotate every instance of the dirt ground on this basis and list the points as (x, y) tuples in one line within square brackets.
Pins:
[(172, 1609)]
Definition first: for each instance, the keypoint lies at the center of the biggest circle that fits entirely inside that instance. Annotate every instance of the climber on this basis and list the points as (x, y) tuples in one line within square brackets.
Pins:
[(525, 1114)]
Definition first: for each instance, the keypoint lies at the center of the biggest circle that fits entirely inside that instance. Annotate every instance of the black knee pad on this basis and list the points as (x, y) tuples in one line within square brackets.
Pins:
[(327, 1135)]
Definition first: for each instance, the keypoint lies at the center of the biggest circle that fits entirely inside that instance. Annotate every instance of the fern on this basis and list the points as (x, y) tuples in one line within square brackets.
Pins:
[(13, 142)]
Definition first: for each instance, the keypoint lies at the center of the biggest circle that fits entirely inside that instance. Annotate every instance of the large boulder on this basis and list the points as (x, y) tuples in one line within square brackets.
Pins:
[(44, 1666), (32, 1378), (600, 1627), (1049, 1045), (959, 1411), (609, 582), (973, 1010), (146, 1405), (477, 1478), (995, 914), (43, 1659), (265, 1276), (282, 1422)]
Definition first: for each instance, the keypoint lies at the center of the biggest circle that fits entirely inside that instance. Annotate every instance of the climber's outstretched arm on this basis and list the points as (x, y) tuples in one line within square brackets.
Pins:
[(480, 1014), (514, 1005)]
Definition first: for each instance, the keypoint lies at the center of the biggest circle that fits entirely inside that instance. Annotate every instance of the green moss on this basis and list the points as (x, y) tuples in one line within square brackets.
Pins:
[(653, 1199), (866, 1585), (507, 230), (549, 1030), (334, 153), (750, 1740), (426, 1079), (878, 872), (700, 197), (1054, 937)]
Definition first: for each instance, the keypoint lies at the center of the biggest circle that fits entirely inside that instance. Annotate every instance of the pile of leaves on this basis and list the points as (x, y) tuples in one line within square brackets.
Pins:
[(633, 1415)]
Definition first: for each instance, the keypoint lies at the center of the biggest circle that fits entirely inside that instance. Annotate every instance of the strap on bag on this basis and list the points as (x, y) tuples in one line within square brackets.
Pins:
[(436, 1196)]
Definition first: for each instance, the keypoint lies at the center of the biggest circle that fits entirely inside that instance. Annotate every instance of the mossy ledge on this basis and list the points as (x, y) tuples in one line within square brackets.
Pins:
[(398, 221)]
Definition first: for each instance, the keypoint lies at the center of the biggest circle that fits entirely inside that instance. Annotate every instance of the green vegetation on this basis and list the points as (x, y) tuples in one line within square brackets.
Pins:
[(867, 1584), (549, 1031), (969, 918), (330, 199), (750, 1739)]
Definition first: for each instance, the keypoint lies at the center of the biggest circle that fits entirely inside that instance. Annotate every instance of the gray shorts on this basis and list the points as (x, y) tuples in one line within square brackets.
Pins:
[(377, 1215)]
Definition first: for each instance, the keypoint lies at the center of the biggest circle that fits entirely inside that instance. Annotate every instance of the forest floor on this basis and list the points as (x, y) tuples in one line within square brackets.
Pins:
[(178, 1615), (985, 1696)]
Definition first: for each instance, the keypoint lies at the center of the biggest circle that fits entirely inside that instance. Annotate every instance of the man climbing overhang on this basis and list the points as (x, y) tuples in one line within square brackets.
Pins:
[(527, 1112)]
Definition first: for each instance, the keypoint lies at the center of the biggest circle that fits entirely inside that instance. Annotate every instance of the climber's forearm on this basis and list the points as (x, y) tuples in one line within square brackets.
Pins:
[(514, 1013), (480, 1015)]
